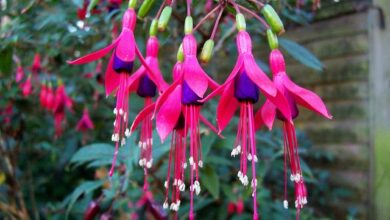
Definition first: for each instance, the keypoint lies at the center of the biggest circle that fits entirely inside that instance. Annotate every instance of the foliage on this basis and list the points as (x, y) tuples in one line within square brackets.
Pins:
[(55, 178)]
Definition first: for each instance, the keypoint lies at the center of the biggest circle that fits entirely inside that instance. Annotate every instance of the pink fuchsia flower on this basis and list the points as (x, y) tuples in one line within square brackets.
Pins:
[(6, 113), (36, 66), (49, 98), (85, 123), (42, 95), (118, 75), (26, 87), (178, 112), (142, 84), (242, 89), (266, 115), (19, 74), (61, 101)]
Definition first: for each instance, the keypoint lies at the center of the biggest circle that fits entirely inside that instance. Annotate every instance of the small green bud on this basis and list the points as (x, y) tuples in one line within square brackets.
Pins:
[(164, 18), (272, 39), (145, 8), (207, 51), (180, 53), (272, 19), (153, 28), (240, 20), (132, 3), (188, 25)]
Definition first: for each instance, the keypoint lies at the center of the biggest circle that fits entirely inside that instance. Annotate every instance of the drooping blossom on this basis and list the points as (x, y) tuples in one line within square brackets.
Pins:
[(266, 115), (118, 75), (142, 84), (43, 95), (178, 112), (6, 113), (36, 66), (26, 87), (61, 101), (49, 98), (85, 123), (242, 89), (19, 74)]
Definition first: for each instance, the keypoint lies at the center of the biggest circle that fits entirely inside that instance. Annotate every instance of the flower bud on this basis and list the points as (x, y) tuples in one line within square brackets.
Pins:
[(272, 39), (145, 8), (207, 51), (273, 19), (240, 20), (132, 4), (188, 25), (153, 28), (180, 53), (164, 18), (92, 210)]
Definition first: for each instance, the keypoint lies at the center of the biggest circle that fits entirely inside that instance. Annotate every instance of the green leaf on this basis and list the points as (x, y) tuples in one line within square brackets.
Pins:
[(210, 181), (85, 187), (99, 151), (301, 54), (6, 60)]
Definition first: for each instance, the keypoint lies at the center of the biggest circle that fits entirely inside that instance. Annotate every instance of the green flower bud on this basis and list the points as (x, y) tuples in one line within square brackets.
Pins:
[(164, 18), (153, 28), (188, 25), (272, 39), (180, 53), (240, 20), (145, 8), (207, 51), (272, 19), (132, 4)]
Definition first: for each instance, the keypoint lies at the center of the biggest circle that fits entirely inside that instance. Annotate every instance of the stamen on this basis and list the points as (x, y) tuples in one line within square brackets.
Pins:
[(285, 204)]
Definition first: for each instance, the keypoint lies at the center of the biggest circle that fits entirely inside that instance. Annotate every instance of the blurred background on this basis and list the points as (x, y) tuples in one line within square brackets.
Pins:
[(52, 166)]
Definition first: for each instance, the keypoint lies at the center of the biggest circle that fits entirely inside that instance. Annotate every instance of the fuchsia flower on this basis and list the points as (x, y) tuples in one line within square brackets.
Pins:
[(178, 112), (241, 89), (7, 112), (118, 75), (61, 101), (266, 115), (42, 95), (49, 98), (85, 123), (26, 87), (19, 74), (36, 66)]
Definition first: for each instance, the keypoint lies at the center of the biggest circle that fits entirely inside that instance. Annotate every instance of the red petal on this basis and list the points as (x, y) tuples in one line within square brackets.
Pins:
[(195, 77), (156, 75), (95, 55), (227, 107), (307, 98), (161, 100), (280, 102), (258, 76), (268, 112), (141, 116), (125, 49), (169, 114), (111, 78), (134, 77), (228, 80)]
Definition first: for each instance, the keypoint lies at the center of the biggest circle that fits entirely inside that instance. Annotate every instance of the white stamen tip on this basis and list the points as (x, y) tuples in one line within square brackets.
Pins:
[(165, 205), (191, 159), (182, 187), (121, 111), (166, 184), (115, 111), (200, 163), (127, 132), (255, 159), (249, 157), (285, 204), (184, 165)]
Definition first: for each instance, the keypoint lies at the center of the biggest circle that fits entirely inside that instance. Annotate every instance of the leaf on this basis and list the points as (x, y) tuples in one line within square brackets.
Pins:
[(85, 187), (301, 54), (6, 60), (210, 181), (99, 151)]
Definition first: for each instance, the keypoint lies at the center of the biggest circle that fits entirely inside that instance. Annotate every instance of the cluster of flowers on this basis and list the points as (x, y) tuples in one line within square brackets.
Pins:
[(54, 100), (177, 110)]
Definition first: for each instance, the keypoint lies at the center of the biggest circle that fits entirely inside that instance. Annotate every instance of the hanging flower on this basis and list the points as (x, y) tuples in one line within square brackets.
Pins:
[(266, 115), (178, 112), (242, 89), (26, 87), (19, 74), (42, 95), (36, 66), (61, 101), (6, 113), (49, 98), (118, 75), (85, 123)]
